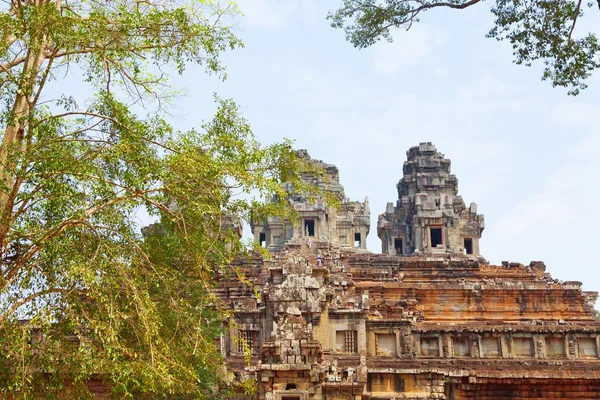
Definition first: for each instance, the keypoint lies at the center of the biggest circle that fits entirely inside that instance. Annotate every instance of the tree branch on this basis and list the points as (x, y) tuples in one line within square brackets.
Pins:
[(29, 298), (444, 4), (87, 113), (577, 9)]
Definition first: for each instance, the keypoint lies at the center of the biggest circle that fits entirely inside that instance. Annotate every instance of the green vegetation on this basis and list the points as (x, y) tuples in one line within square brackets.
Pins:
[(83, 295), (537, 30)]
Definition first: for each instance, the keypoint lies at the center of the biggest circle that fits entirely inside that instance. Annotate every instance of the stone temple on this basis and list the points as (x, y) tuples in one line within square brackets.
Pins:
[(347, 226), (427, 319), (429, 214)]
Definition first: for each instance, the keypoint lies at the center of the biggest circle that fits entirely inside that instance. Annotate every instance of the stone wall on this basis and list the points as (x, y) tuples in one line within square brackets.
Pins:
[(382, 327), (324, 320)]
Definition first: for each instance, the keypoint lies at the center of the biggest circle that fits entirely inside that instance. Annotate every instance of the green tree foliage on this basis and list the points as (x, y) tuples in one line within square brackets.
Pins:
[(84, 297), (537, 30)]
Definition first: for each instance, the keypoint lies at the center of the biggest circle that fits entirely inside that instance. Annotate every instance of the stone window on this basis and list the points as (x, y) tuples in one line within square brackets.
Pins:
[(398, 246), (461, 346), (430, 346), (435, 235), (523, 346), (345, 342), (555, 347), (309, 227), (587, 347), (262, 239), (343, 239), (385, 383), (291, 394), (247, 339), (277, 276), (491, 346), (385, 344), (357, 240), (468, 245)]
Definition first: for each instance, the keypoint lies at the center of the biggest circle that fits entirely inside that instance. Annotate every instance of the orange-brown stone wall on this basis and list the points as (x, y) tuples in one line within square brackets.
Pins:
[(524, 389)]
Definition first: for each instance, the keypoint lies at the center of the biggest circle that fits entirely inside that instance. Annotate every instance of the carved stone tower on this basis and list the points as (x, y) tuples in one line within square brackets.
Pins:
[(348, 226), (429, 215), (332, 322)]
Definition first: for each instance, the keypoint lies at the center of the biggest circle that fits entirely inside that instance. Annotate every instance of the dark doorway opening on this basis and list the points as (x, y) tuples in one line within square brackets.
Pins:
[(309, 227), (468, 246), (262, 240), (357, 241), (398, 245), (436, 236)]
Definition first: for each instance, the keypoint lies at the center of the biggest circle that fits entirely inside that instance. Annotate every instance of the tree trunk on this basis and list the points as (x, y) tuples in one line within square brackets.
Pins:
[(12, 142)]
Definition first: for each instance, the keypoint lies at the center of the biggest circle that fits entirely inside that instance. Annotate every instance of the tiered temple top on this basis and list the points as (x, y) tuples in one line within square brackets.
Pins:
[(429, 215)]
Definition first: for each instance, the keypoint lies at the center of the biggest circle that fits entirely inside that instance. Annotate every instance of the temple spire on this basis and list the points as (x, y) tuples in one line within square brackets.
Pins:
[(429, 215)]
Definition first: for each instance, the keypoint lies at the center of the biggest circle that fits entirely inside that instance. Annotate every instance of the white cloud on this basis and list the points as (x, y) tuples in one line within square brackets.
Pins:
[(409, 49), (274, 15), (575, 115), (556, 222), (441, 72)]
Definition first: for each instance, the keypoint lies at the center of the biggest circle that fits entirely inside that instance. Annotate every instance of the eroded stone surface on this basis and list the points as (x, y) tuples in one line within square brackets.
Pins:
[(347, 226), (429, 215), (335, 322)]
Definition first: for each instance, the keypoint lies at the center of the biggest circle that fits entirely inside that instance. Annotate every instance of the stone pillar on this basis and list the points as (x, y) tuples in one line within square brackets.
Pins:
[(505, 346), (371, 351), (361, 337), (418, 237), (447, 346), (398, 344), (539, 346)]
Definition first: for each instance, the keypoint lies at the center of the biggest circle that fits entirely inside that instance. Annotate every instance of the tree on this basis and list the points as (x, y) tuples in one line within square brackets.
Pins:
[(84, 297), (537, 30)]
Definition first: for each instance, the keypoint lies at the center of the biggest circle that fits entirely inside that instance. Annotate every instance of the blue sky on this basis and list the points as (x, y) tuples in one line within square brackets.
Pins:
[(526, 153)]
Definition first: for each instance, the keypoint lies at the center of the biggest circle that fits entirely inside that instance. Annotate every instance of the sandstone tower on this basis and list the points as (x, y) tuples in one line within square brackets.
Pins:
[(427, 320), (429, 215), (347, 226)]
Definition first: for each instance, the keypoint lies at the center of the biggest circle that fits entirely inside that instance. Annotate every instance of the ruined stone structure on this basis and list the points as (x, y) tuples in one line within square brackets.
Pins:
[(348, 226), (426, 322), (429, 215)]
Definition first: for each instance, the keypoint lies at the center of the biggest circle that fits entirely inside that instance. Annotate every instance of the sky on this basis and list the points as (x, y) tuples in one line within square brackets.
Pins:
[(526, 153)]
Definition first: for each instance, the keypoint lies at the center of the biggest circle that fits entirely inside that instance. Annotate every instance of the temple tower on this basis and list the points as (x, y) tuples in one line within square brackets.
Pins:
[(429, 215), (347, 226)]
